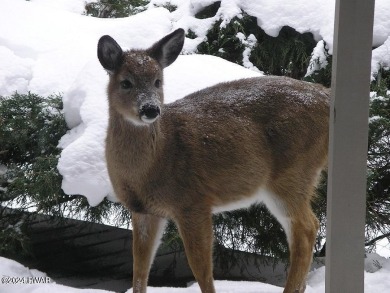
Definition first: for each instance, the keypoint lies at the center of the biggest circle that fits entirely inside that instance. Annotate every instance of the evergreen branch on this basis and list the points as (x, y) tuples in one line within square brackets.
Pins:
[(7, 197), (372, 241), (60, 201)]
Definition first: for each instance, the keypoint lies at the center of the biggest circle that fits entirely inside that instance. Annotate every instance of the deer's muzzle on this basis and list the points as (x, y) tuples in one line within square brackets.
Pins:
[(149, 112)]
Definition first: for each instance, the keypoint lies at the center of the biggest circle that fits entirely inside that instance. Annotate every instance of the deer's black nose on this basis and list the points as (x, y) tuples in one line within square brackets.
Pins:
[(149, 113)]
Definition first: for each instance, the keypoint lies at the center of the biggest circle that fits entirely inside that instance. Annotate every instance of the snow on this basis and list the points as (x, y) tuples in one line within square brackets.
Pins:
[(377, 270), (16, 278), (380, 57), (318, 58), (249, 42), (48, 47)]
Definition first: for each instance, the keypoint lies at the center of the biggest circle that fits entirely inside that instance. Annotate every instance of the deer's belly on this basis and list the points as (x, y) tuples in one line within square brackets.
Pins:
[(261, 196)]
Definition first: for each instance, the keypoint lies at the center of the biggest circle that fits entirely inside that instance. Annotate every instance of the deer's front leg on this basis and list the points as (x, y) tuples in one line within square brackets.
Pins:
[(147, 231), (195, 227)]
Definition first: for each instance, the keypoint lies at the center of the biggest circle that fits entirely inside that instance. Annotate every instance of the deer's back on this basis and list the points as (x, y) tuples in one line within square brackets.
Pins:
[(246, 131)]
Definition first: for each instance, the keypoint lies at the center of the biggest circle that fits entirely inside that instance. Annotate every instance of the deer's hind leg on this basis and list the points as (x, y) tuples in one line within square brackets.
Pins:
[(147, 231), (294, 213), (304, 229)]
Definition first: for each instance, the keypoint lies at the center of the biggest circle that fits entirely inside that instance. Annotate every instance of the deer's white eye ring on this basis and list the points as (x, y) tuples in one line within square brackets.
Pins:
[(126, 84)]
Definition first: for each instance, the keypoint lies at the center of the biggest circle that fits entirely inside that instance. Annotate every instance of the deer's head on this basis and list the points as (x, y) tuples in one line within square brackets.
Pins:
[(135, 87)]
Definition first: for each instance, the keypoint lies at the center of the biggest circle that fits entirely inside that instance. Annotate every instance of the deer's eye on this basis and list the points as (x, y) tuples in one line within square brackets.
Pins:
[(157, 83), (126, 84)]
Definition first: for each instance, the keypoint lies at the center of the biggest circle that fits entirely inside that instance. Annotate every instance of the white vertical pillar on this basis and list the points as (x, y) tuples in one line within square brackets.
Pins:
[(348, 146)]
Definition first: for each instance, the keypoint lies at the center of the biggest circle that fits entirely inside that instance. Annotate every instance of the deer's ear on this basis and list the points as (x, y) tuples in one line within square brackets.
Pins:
[(168, 48), (109, 53)]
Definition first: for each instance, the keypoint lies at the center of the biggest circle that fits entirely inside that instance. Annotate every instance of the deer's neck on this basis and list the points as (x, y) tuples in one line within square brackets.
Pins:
[(135, 146)]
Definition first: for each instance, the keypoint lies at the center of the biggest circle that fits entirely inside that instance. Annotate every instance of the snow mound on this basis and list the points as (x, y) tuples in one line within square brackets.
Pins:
[(15, 276), (43, 49), (380, 58)]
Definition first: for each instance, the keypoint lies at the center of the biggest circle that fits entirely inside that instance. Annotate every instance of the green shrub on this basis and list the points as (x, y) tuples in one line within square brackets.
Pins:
[(378, 164), (287, 54), (30, 129), (115, 8)]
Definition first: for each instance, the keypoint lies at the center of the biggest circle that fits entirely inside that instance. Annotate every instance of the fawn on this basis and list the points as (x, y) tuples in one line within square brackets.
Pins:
[(225, 147)]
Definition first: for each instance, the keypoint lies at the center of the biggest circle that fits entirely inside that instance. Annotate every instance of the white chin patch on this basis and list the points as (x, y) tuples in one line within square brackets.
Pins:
[(136, 122), (148, 120)]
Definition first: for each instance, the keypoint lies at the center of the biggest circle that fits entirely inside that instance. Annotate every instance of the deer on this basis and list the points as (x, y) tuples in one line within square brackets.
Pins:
[(255, 140)]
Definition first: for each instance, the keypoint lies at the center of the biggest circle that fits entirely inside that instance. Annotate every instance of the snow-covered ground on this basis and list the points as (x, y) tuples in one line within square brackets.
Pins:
[(15, 276), (48, 46)]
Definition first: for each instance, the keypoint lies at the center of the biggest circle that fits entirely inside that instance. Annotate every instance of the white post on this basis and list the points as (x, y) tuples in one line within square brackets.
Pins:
[(348, 146)]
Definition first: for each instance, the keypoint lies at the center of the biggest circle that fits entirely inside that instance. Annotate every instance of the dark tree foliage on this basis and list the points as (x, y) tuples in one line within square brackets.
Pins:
[(33, 117), (30, 129), (119, 8), (378, 165), (323, 75), (287, 54), (378, 170), (224, 42), (115, 8)]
